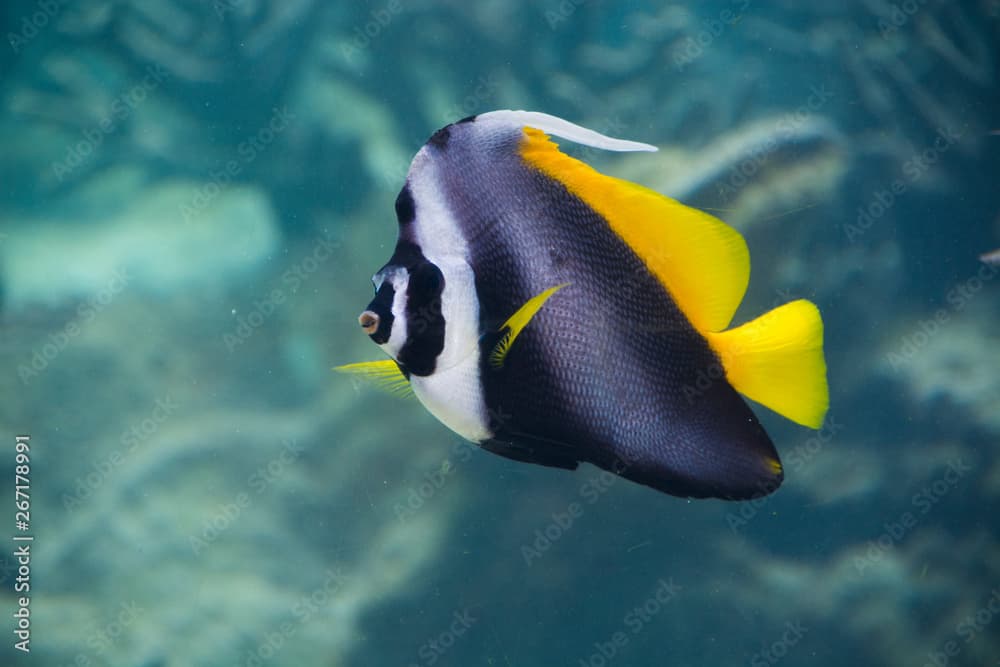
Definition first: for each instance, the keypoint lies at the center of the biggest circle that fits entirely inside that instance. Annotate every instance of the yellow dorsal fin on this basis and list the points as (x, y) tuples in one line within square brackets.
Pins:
[(702, 262), (777, 360), (516, 322), (384, 374)]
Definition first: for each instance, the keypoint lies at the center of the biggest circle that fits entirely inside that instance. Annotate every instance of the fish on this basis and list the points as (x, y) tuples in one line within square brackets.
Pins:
[(555, 315), (992, 258)]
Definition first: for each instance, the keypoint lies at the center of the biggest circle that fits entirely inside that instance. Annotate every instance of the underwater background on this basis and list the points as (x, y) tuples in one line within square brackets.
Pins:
[(194, 196)]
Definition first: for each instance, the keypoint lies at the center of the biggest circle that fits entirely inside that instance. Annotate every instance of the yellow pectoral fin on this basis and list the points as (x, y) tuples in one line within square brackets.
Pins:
[(516, 322), (777, 360), (384, 374)]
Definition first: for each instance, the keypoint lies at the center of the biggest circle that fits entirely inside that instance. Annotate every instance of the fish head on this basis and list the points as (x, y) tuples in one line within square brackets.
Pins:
[(404, 318)]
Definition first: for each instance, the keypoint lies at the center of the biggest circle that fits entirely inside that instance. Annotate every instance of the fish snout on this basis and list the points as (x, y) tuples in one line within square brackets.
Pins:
[(369, 322)]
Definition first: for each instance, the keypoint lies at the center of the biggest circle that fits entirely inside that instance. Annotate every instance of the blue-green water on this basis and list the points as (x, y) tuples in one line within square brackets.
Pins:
[(193, 197)]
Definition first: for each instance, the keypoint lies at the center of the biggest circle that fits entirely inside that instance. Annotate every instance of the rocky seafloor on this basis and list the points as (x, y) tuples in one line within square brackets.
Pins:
[(193, 197)]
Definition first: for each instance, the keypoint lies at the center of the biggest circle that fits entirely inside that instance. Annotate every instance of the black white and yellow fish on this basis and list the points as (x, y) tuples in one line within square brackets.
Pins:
[(555, 315)]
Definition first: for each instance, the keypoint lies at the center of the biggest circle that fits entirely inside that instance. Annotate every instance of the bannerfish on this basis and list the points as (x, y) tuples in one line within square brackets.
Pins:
[(555, 315)]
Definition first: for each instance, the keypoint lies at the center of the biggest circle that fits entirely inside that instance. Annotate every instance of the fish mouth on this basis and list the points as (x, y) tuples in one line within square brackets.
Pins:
[(369, 322)]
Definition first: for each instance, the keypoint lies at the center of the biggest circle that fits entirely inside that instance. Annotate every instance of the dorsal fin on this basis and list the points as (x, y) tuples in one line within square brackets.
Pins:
[(703, 263), (562, 128)]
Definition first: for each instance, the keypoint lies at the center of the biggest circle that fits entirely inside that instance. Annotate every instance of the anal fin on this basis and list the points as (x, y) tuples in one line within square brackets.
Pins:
[(528, 449)]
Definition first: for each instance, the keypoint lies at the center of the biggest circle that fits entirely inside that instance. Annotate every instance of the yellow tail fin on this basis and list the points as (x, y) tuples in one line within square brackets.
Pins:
[(777, 360)]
